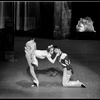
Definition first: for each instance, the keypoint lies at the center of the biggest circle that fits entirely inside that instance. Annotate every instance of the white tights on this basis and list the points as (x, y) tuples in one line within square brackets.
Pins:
[(66, 79)]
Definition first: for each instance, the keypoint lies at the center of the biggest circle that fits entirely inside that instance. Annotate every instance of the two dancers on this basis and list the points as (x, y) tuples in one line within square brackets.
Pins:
[(32, 54)]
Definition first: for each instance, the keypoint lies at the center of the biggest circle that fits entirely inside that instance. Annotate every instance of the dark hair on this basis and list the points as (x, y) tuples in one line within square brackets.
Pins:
[(55, 46), (48, 49)]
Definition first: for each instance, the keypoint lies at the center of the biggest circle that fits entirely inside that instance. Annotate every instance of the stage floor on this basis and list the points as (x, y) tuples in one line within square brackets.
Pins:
[(15, 81)]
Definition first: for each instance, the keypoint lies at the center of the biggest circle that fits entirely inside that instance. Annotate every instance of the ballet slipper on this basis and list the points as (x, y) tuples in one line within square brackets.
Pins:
[(81, 84), (36, 83), (73, 84)]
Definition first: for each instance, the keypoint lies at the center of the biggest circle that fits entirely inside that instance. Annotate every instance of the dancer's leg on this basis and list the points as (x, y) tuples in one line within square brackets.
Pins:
[(66, 79), (66, 76), (32, 69)]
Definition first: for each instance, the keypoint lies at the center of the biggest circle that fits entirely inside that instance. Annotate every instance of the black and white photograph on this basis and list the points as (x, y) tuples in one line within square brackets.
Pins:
[(49, 50)]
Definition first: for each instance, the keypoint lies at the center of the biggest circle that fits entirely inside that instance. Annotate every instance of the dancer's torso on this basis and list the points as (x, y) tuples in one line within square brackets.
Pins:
[(64, 59), (40, 54)]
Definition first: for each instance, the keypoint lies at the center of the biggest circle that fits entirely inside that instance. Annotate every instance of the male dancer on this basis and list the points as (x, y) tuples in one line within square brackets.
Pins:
[(31, 54), (67, 70)]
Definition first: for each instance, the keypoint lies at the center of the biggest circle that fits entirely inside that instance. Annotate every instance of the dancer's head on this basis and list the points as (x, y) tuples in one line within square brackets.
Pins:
[(54, 49), (57, 50), (50, 49)]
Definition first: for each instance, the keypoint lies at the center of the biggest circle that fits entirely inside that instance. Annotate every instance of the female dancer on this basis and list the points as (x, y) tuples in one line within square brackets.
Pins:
[(31, 54)]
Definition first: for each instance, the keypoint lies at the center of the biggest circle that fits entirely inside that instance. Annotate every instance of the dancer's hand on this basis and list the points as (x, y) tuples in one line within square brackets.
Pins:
[(58, 52), (28, 51)]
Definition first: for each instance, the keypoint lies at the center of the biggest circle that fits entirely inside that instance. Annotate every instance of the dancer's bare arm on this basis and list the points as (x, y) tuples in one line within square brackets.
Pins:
[(52, 60)]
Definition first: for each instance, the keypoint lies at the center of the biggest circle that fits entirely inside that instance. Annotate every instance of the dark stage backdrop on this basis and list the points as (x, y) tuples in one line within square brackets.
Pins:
[(53, 20), (36, 18), (48, 19), (6, 30)]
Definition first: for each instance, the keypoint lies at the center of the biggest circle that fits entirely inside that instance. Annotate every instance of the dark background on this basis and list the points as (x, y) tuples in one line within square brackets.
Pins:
[(79, 10), (46, 26)]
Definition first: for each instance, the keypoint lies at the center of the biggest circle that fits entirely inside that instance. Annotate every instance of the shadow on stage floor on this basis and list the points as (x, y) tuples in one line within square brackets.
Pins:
[(85, 59)]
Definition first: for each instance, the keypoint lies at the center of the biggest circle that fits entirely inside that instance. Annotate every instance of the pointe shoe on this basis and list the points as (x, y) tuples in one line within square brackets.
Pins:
[(35, 83)]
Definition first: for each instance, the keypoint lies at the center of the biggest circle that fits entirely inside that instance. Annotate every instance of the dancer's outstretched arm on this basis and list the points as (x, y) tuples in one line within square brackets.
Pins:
[(52, 60)]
